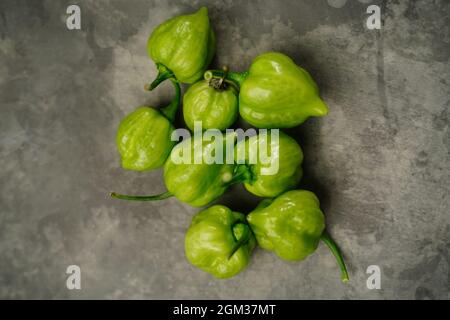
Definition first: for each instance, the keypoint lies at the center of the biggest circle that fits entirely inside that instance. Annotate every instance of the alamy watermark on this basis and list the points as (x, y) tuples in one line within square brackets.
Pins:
[(73, 21), (373, 20), (235, 146), (73, 281), (374, 280)]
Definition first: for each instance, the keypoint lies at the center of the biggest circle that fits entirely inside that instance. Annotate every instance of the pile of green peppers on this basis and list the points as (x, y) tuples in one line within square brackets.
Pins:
[(273, 93)]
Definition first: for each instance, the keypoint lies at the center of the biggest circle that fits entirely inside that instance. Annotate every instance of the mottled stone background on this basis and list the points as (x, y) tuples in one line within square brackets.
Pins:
[(379, 162)]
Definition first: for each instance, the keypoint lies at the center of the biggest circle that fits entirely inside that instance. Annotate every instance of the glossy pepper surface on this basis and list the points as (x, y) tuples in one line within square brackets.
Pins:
[(275, 92), (280, 171), (194, 180), (143, 137), (292, 225), (182, 47), (219, 242), (215, 108)]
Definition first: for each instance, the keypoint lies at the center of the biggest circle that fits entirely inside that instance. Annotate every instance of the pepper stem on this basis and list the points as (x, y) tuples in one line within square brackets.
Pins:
[(241, 174), (242, 240), (234, 78), (164, 73), (161, 196), (326, 238), (171, 110)]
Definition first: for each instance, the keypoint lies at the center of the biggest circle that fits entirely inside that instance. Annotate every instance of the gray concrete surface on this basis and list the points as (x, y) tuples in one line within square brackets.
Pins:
[(379, 162)]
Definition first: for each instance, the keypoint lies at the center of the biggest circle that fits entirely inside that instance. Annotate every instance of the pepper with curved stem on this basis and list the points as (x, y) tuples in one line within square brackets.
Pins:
[(292, 226), (182, 47), (144, 136), (245, 237), (274, 92), (194, 182), (331, 244), (219, 241)]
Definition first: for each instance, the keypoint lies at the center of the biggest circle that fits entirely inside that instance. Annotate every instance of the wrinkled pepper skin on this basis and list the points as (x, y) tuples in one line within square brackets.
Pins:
[(275, 92), (290, 225), (278, 94), (184, 44), (219, 242), (216, 109), (196, 184), (289, 158), (143, 139)]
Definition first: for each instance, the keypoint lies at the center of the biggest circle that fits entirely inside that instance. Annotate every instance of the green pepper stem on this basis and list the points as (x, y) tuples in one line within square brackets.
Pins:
[(164, 73), (241, 174), (161, 196), (326, 238), (171, 110), (243, 240), (236, 78)]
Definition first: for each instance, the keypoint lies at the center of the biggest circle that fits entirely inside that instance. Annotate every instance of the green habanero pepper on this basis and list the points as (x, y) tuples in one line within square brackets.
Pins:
[(182, 47), (292, 225), (279, 170), (190, 179), (219, 241), (143, 137), (216, 108), (275, 92)]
